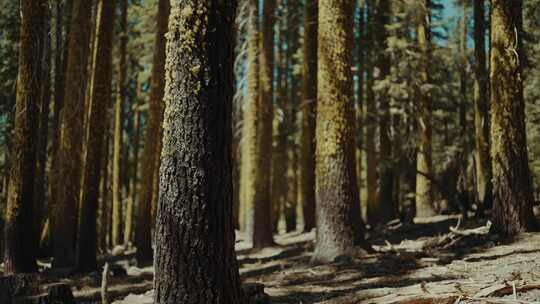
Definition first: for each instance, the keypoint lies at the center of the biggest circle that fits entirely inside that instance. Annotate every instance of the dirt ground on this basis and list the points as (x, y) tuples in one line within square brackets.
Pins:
[(443, 260)]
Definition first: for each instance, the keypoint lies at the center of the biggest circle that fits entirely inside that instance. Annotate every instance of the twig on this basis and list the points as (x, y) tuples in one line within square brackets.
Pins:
[(104, 297)]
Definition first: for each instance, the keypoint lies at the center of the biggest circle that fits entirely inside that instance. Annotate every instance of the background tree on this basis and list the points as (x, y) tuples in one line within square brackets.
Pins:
[(100, 97), (21, 240), (71, 136)]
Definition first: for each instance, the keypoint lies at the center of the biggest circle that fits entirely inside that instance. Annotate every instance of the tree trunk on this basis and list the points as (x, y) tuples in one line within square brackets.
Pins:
[(258, 127), (338, 210), (424, 162), (70, 153), (150, 154), (118, 129), (100, 96), (361, 51), (512, 189), (386, 209), (308, 110), (279, 152), (481, 112), (371, 122), (43, 128), (128, 227), (20, 234), (195, 200)]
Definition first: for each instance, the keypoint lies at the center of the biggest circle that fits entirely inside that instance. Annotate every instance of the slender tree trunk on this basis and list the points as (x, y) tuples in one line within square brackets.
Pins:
[(481, 112), (338, 209), (100, 87), (43, 131), (71, 131), (195, 177), (150, 155), (361, 51), (424, 165), (118, 128), (308, 111), (371, 122), (279, 152), (105, 205), (258, 127), (385, 210), (128, 227), (20, 235), (512, 189)]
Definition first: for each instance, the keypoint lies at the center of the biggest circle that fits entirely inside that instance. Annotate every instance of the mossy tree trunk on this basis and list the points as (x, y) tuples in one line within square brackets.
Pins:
[(195, 201), (512, 189), (338, 209), (306, 173), (20, 234), (258, 126), (481, 112), (71, 137), (100, 96), (150, 156), (118, 128), (424, 159)]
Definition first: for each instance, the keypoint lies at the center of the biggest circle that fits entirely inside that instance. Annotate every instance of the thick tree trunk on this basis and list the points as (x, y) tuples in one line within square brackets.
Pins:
[(481, 112), (338, 209), (150, 155), (128, 227), (258, 127), (424, 161), (70, 153), (512, 189), (308, 110), (118, 129), (195, 201), (20, 234), (100, 95)]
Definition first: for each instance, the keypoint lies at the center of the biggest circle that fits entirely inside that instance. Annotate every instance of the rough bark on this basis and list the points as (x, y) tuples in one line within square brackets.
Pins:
[(258, 126), (512, 189), (150, 155), (20, 233), (118, 128), (195, 258), (338, 208), (424, 159), (481, 112), (308, 112), (100, 95), (361, 76), (71, 131)]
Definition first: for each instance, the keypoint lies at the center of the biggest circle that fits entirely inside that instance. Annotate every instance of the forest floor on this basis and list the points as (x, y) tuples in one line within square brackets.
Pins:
[(443, 260)]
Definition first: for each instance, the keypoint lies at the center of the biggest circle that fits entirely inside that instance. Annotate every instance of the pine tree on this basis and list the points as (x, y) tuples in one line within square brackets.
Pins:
[(424, 165), (195, 201), (481, 111), (118, 128), (68, 175), (151, 153), (258, 126), (100, 96), (21, 240), (338, 208), (308, 112), (512, 189)]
